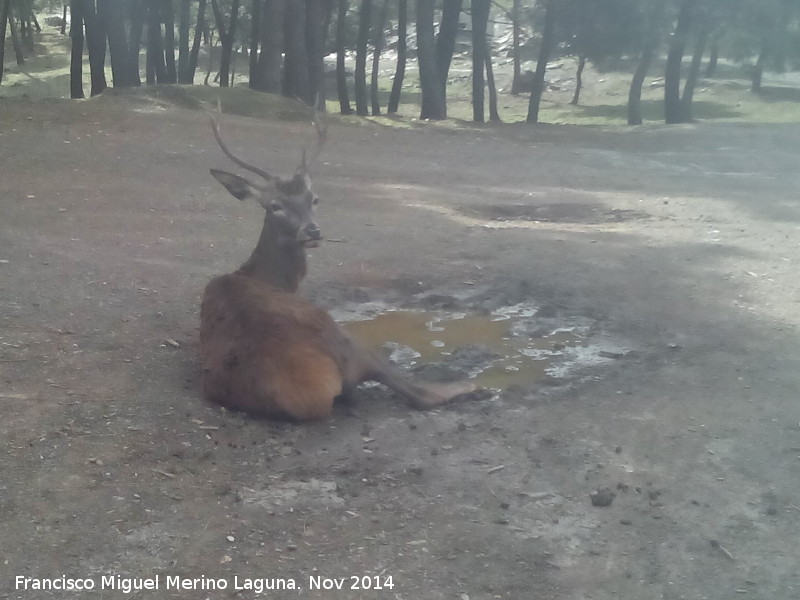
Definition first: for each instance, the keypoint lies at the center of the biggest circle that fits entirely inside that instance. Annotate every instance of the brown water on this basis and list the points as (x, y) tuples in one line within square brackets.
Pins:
[(523, 359)]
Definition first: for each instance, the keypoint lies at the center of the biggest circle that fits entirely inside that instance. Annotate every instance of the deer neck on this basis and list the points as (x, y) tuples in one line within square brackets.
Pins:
[(282, 266)]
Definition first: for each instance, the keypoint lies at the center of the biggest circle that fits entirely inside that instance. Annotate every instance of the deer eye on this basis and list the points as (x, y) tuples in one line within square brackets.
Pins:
[(315, 201), (275, 207)]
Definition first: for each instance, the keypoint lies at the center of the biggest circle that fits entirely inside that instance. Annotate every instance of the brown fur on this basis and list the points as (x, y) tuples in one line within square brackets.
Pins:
[(262, 352), (273, 353)]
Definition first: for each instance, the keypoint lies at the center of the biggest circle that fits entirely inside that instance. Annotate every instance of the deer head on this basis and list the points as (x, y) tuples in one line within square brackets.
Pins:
[(290, 203)]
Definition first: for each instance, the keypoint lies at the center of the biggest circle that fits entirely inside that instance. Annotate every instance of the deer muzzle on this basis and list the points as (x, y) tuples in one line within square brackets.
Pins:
[(310, 235)]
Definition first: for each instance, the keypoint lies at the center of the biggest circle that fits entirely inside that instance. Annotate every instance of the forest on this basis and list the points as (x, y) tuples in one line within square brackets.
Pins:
[(284, 45)]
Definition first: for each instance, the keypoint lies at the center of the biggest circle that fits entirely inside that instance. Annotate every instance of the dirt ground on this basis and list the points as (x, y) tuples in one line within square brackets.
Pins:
[(681, 241)]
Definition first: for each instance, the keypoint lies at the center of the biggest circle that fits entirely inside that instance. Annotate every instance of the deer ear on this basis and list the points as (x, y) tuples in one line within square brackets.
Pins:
[(238, 186)]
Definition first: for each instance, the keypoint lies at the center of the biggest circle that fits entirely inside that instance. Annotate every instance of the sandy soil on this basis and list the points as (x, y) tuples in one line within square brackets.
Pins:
[(681, 241)]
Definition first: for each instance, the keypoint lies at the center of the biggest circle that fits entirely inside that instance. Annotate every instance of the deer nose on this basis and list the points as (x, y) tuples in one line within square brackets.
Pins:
[(312, 232)]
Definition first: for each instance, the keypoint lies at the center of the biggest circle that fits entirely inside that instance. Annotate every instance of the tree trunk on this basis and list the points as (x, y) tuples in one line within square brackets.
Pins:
[(191, 65), (673, 110), (210, 63), (112, 15), (713, 58), (137, 16), (15, 43), (26, 32), (694, 72), (149, 60), (516, 34), (651, 42), (76, 52), (4, 10), (480, 17), (220, 23), (324, 49), (184, 16), (758, 68), (156, 63), (96, 42), (269, 60), (296, 83), (446, 39), (23, 36), (377, 44), (169, 40), (402, 45), (227, 36), (578, 80), (364, 19), (635, 92), (256, 17), (341, 74), (434, 98), (63, 19), (537, 88), (314, 47), (326, 22), (494, 115)]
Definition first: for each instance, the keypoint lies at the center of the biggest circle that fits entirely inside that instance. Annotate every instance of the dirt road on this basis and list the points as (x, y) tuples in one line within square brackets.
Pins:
[(676, 246)]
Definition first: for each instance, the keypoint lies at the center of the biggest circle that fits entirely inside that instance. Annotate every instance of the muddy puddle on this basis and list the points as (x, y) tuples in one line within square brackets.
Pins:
[(510, 346)]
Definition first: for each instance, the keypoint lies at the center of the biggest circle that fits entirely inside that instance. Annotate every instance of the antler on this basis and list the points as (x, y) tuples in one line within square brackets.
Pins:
[(228, 153), (321, 127)]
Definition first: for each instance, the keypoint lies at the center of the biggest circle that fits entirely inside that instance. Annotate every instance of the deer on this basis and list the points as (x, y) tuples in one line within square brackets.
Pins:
[(268, 351)]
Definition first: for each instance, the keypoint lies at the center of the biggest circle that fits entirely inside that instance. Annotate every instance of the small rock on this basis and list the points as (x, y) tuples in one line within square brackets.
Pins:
[(472, 356), (602, 497), (440, 301)]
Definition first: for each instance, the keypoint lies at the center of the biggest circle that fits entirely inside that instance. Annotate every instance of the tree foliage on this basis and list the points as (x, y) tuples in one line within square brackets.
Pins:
[(281, 44)]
